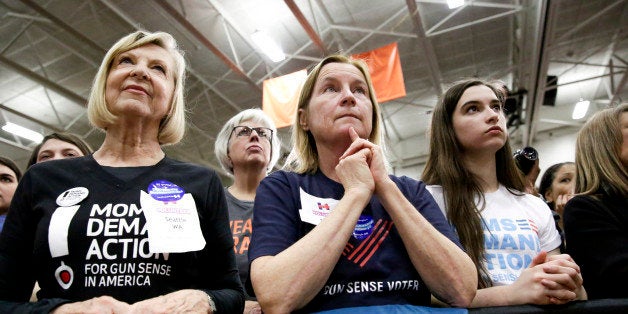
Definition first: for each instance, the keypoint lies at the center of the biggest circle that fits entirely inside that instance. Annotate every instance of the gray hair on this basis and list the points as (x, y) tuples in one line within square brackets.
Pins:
[(221, 146)]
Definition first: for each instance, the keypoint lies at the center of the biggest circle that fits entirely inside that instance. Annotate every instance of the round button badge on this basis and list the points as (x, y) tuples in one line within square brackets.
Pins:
[(72, 196), (165, 191), (363, 228)]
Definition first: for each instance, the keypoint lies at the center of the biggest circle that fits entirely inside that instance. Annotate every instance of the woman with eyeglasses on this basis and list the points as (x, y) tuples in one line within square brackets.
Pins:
[(527, 160), (596, 218), (247, 148), (510, 235)]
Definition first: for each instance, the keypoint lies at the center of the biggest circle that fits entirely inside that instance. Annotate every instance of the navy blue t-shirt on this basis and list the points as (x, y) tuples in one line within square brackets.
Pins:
[(374, 268)]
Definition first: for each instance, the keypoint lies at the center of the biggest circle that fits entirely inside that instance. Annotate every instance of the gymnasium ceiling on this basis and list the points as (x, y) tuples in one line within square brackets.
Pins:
[(50, 51)]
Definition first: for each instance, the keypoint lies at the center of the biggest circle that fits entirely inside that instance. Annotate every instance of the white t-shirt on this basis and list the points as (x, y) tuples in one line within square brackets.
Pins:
[(516, 229)]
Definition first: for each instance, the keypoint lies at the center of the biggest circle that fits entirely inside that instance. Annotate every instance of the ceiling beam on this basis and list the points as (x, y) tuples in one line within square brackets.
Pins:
[(233, 24), (588, 64), (618, 90), (376, 29), (306, 26), (19, 114), (474, 3), (206, 42), (44, 81), (364, 30), (445, 19), (546, 17), (67, 28), (453, 28), (593, 18), (563, 122), (15, 144), (426, 47), (554, 85), (337, 36)]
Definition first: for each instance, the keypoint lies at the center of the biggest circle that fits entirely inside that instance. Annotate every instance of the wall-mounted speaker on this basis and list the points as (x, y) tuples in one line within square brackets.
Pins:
[(549, 98)]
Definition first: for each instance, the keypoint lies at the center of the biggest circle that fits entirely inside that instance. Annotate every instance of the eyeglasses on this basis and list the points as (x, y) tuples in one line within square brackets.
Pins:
[(528, 152), (243, 130)]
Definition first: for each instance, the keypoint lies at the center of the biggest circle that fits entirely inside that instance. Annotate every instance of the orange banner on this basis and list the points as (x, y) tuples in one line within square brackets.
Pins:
[(385, 68), (281, 95)]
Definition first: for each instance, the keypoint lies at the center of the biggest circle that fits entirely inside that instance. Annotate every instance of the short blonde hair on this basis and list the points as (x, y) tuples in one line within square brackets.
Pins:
[(304, 158), (598, 149), (172, 127), (221, 146)]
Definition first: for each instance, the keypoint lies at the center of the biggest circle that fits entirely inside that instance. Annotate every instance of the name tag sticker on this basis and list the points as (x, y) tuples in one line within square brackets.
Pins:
[(173, 227), (315, 209)]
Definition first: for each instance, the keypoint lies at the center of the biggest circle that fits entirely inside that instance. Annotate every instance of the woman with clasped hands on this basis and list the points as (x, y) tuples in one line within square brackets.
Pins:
[(337, 231), (127, 229), (510, 235)]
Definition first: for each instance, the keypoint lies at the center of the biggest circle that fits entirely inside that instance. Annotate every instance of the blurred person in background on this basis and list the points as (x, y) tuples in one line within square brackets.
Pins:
[(59, 145), (10, 174), (596, 218), (247, 148), (556, 188), (527, 160)]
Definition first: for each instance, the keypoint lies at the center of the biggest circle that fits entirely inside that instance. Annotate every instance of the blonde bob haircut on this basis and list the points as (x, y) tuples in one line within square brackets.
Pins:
[(304, 158), (255, 115), (598, 150), (172, 126)]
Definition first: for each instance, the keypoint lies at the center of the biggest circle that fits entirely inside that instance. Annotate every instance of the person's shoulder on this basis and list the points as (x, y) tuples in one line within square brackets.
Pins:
[(282, 174), (533, 206), (291, 176), (286, 178), (584, 203), (534, 200), (522, 197), (59, 165)]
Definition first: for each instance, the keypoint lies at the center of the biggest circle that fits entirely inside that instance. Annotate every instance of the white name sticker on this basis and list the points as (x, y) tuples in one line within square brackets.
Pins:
[(315, 209), (173, 227)]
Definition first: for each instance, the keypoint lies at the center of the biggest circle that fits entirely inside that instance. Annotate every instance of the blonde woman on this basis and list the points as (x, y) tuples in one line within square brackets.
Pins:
[(336, 230), (596, 219), (125, 229)]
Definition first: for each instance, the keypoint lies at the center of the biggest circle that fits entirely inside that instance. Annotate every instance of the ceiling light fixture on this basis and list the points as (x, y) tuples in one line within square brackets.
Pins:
[(268, 46), (580, 110), (23, 132), (455, 3)]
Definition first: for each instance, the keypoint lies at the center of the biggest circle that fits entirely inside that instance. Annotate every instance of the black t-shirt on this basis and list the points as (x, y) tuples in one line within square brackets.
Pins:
[(97, 243), (374, 268)]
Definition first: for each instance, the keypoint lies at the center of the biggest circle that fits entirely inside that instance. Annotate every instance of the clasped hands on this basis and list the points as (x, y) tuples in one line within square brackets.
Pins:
[(550, 279), (361, 166)]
